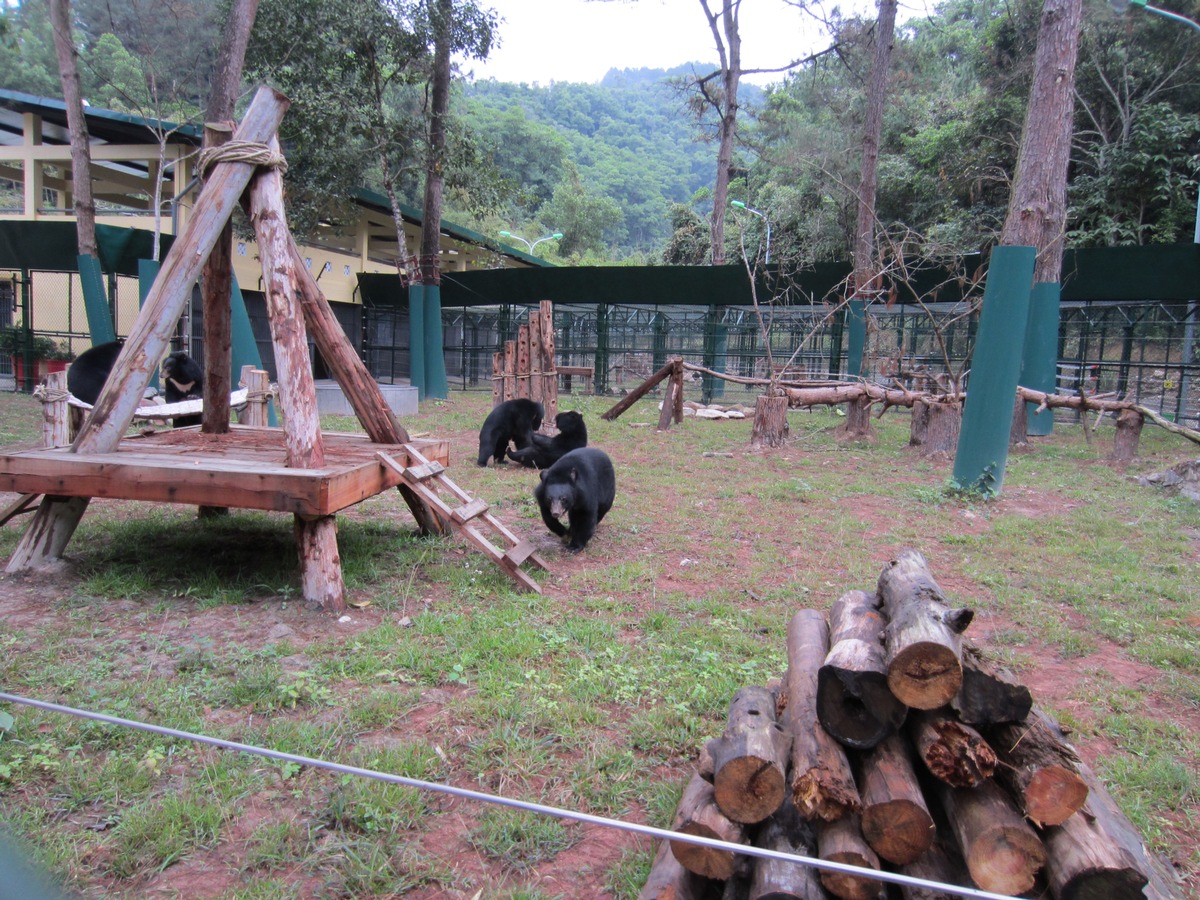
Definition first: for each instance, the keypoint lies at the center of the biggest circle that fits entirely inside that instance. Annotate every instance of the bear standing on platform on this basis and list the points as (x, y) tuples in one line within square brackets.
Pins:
[(512, 420), (183, 379), (581, 486)]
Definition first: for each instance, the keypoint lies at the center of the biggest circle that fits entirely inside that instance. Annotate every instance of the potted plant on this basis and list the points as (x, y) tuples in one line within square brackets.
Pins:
[(47, 354)]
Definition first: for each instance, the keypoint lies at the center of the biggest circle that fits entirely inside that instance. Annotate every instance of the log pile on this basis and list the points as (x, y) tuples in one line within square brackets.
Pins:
[(894, 746)]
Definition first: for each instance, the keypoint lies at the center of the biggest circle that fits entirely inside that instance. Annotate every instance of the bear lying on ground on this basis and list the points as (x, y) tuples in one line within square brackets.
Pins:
[(183, 379), (546, 451), (88, 371), (512, 420), (581, 486)]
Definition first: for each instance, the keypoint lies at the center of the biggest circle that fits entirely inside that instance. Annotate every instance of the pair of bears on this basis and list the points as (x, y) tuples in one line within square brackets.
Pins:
[(183, 379), (577, 481)]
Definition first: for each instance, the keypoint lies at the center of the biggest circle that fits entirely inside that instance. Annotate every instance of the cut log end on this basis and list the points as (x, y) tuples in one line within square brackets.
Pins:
[(899, 831), (1053, 795), (705, 861), (847, 886), (1007, 861), (749, 789), (925, 675)]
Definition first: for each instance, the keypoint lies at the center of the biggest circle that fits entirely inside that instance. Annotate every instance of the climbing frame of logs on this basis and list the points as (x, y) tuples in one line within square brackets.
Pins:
[(525, 368), (896, 756)]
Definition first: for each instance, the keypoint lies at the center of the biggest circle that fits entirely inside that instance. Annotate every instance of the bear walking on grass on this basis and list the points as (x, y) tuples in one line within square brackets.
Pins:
[(581, 486), (546, 451), (512, 420)]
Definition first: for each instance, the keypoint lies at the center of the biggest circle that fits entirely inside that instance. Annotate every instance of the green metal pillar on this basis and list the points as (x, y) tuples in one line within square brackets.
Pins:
[(716, 346), (996, 364), (1039, 365), (416, 338), (600, 361), (436, 383), (95, 300), (857, 320)]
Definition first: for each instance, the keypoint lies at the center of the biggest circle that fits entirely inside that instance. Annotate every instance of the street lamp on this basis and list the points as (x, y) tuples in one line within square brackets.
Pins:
[(740, 205), (550, 237)]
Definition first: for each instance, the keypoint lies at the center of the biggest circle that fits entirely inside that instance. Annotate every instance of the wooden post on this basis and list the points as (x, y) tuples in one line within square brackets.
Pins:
[(216, 287), (497, 378), (770, 427), (854, 702), (320, 563), (258, 396), (536, 385), (510, 370), (750, 758), (549, 360), (521, 370), (923, 635), (822, 783), (56, 417), (1129, 432), (56, 519)]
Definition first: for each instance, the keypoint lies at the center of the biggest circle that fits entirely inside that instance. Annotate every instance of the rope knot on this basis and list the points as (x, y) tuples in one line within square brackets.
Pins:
[(244, 152)]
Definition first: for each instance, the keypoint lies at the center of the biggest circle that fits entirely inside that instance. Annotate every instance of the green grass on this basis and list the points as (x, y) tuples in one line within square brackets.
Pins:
[(595, 695)]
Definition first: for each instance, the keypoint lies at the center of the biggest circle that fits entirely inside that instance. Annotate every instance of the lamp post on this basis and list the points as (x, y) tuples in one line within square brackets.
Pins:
[(1189, 327), (740, 205), (550, 237)]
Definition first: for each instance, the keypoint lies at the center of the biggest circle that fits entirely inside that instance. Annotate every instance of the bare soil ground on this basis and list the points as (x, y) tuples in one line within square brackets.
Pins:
[(831, 545)]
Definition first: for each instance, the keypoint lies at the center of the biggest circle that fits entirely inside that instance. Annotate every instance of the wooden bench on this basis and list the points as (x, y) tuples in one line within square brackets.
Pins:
[(587, 373)]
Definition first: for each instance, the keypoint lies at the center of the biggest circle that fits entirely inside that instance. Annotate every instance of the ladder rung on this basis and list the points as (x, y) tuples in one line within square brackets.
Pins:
[(520, 553), (469, 511), (425, 471)]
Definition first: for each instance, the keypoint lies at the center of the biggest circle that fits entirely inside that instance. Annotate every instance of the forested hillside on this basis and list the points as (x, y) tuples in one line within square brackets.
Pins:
[(623, 168)]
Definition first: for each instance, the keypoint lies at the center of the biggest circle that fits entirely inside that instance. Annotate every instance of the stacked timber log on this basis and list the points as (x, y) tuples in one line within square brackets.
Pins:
[(897, 760), (525, 368)]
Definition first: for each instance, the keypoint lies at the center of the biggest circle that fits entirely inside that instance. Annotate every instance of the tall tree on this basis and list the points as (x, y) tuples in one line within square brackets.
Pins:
[(81, 156), (720, 92)]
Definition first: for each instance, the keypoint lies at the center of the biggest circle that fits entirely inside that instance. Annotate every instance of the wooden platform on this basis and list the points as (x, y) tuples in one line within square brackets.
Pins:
[(244, 469)]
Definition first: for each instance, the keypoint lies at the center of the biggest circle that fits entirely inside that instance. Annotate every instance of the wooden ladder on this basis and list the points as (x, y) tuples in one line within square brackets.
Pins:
[(469, 517)]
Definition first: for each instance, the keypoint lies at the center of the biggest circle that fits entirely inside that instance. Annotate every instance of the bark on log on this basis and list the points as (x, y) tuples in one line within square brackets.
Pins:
[(549, 356), (895, 820), (923, 637), (750, 758), (770, 427), (785, 832), (669, 880), (698, 814), (1002, 852), (858, 418), (989, 694), (1085, 863), (1018, 432), (954, 753), (216, 286), (941, 863), (1041, 770), (822, 783), (1129, 432), (638, 393), (854, 703), (842, 842), (936, 424)]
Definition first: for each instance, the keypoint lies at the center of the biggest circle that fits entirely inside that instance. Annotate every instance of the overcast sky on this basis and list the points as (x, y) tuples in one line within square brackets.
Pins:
[(579, 40)]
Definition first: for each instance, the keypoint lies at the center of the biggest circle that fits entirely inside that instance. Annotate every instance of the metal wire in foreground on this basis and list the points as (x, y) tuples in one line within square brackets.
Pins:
[(467, 794)]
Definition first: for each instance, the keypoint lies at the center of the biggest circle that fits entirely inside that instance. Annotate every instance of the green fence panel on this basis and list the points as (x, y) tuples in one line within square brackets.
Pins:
[(1039, 365), (95, 300)]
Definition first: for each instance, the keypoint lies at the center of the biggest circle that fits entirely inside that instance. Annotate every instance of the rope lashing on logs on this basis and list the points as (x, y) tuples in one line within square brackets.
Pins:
[(244, 152), (47, 394)]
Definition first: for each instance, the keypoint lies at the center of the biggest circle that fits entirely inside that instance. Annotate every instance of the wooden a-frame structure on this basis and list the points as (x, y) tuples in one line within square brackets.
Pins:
[(317, 477)]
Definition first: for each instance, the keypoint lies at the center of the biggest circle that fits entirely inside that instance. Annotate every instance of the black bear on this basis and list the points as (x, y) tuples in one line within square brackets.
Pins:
[(512, 420), (546, 451), (582, 486), (88, 371), (183, 379)]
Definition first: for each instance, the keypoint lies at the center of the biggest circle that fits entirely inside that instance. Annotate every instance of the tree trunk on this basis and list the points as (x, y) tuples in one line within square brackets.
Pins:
[(770, 423), (750, 758), (842, 842), (854, 703), (729, 51), (1018, 433), (1037, 209), (923, 634), (822, 783), (895, 820), (865, 280), (935, 425), (81, 155), (698, 814), (1129, 432), (989, 695), (858, 418), (1003, 854), (954, 753), (1040, 769)]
